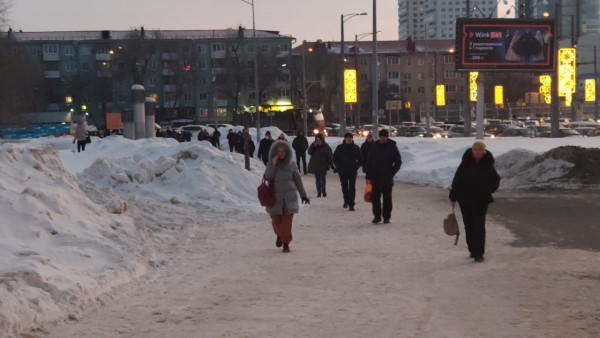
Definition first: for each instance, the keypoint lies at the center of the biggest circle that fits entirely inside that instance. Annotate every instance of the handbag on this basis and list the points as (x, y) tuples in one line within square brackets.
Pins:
[(88, 139), (451, 226), (368, 191), (266, 193)]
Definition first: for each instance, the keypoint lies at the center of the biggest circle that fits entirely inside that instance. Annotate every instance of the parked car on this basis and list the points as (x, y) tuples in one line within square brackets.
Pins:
[(437, 132), (564, 132), (515, 131), (416, 131), (456, 131)]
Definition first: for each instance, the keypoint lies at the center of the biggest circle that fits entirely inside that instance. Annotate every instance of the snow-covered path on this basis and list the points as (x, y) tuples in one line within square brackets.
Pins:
[(350, 278)]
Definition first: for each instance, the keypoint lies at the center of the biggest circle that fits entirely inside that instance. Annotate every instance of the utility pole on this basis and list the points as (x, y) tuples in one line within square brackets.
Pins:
[(304, 103), (596, 82), (374, 92), (467, 117), (554, 104)]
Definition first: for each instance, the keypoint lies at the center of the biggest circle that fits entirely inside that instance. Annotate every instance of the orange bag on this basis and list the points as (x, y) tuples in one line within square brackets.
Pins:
[(368, 191)]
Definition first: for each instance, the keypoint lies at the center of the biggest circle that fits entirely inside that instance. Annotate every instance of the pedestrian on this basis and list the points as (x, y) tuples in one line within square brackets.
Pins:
[(282, 172), (383, 163), (264, 146), (474, 182), (239, 142), (231, 139), (281, 137), (80, 136), (216, 139), (321, 159), (251, 147), (300, 145), (364, 150), (347, 159)]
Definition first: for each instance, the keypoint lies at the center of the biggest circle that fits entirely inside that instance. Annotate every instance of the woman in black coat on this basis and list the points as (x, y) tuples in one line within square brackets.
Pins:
[(474, 182)]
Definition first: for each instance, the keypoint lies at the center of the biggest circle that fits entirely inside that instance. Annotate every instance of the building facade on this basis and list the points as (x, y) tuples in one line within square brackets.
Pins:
[(203, 75), (436, 19)]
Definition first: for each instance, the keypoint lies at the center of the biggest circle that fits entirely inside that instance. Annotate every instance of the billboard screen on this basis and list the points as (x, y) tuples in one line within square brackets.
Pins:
[(504, 44)]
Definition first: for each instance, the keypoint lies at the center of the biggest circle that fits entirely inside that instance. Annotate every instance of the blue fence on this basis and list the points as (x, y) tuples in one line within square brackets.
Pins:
[(36, 130)]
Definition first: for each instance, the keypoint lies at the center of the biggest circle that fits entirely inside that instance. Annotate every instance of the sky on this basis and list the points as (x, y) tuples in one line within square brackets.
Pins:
[(302, 19), (75, 225)]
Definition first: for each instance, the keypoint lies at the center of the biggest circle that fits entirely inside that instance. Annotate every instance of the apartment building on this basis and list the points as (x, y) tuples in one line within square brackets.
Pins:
[(204, 75), (435, 19)]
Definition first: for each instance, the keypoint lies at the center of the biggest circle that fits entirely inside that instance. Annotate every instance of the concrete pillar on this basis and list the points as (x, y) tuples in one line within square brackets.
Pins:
[(139, 116), (127, 118), (150, 107)]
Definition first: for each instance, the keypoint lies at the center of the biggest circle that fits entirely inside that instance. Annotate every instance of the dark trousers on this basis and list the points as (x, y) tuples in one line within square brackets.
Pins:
[(320, 182), (378, 191), (80, 146), (303, 158), (231, 146), (474, 220), (348, 188)]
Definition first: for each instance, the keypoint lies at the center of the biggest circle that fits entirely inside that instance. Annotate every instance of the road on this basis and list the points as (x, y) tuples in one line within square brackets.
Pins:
[(346, 277)]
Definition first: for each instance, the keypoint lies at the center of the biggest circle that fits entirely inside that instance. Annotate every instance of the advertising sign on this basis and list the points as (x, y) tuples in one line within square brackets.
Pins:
[(504, 44)]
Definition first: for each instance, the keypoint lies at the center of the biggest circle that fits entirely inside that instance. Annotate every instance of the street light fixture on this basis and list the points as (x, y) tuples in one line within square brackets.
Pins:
[(344, 18), (256, 93), (357, 37)]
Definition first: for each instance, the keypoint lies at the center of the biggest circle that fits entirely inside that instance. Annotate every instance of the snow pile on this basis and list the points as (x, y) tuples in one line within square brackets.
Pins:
[(67, 240), (58, 249)]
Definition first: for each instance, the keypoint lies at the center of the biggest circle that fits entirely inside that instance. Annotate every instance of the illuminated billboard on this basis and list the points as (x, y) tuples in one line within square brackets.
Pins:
[(504, 44)]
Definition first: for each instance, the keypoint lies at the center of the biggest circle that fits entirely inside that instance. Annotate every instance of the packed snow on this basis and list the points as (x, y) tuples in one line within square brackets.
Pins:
[(76, 225)]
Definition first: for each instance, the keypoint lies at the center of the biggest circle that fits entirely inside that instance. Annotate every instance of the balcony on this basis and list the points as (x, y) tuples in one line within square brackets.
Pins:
[(103, 57), (51, 74), (221, 103), (219, 54), (51, 57), (169, 88)]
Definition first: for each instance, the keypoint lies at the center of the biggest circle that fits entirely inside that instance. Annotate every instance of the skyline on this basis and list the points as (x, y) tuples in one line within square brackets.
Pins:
[(306, 23)]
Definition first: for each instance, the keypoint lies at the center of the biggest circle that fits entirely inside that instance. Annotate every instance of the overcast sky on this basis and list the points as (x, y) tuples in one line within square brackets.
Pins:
[(302, 19)]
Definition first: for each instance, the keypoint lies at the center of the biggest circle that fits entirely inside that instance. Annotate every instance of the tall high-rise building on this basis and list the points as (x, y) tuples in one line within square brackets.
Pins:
[(436, 19)]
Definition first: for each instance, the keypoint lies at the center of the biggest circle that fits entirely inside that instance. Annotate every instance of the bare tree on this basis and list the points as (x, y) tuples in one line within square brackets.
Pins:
[(136, 53), (5, 6)]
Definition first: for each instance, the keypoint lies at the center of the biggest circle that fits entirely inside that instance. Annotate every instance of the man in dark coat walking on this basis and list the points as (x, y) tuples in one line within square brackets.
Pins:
[(231, 139), (300, 145), (383, 163), (264, 146), (347, 159), (321, 159), (474, 182)]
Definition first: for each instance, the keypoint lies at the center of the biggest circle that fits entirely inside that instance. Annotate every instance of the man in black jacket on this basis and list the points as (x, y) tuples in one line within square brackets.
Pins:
[(264, 146), (231, 139), (300, 145), (347, 159), (383, 163)]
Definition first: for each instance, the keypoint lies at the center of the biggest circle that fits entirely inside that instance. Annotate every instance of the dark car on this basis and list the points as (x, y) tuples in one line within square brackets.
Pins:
[(515, 131)]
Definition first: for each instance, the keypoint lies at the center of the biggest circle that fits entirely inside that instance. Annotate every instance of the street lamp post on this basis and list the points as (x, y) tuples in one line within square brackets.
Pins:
[(256, 93), (304, 103), (344, 18), (374, 89)]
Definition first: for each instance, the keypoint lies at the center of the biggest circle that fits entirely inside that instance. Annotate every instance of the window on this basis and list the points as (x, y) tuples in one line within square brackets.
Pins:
[(187, 96), (85, 66), (69, 67), (201, 49), (421, 90), (407, 62), (393, 75), (202, 80), (250, 64), (69, 50), (101, 50), (420, 62), (50, 49), (392, 60), (364, 62), (419, 76), (152, 81), (85, 50), (406, 90), (449, 74), (406, 76), (450, 88), (363, 77), (449, 59), (218, 47), (201, 64), (282, 47), (264, 48), (284, 93), (251, 96), (203, 96)]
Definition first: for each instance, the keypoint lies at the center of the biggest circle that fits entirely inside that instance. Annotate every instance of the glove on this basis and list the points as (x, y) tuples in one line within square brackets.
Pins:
[(305, 200)]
